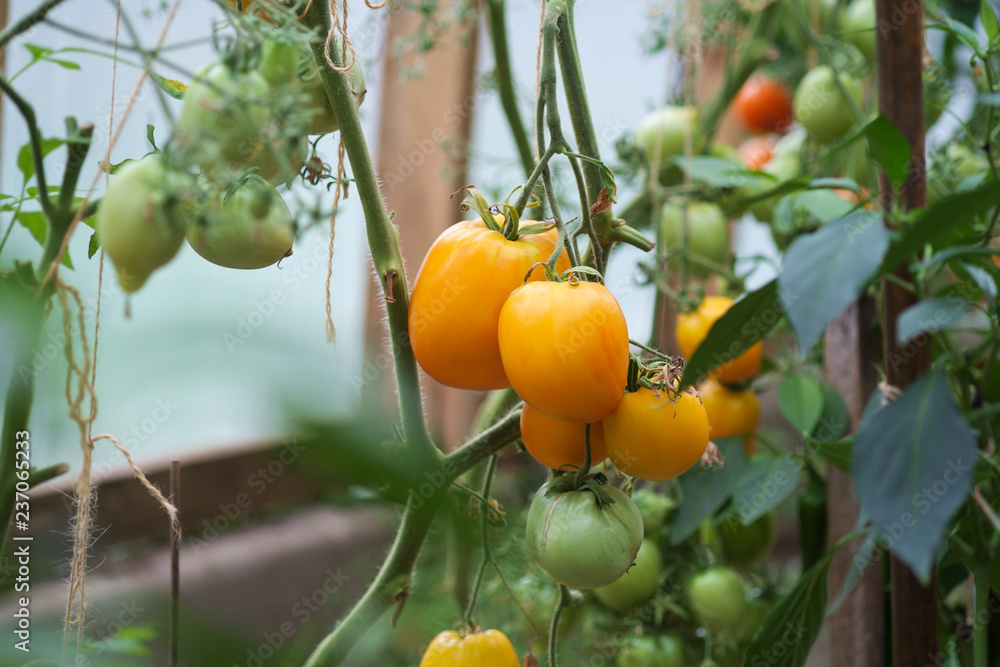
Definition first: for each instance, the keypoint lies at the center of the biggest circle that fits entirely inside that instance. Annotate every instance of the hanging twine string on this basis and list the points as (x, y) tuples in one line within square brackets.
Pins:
[(338, 25)]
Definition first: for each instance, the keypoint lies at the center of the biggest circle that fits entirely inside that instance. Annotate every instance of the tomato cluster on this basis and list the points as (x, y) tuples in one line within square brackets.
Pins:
[(243, 124)]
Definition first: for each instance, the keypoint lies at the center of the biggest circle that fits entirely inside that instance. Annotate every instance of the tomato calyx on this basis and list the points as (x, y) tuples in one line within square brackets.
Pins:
[(593, 482), (570, 275), (511, 227)]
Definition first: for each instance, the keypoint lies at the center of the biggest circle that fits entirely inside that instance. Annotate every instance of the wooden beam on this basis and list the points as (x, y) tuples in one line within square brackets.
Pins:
[(900, 43), (424, 134)]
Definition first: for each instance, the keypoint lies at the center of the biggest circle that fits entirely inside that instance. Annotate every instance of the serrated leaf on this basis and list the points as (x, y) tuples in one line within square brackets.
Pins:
[(837, 452), (745, 323), (943, 223), (824, 272), (171, 87), (834, 420), (705, 491), (912, 469), (762, 484), (26, 164), (929, 316), (790, 629), (800, 400), (889, 148), (989, 18)]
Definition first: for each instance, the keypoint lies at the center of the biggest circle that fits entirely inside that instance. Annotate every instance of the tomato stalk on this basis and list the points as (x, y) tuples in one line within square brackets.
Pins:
[(495, 20), (564, 601)]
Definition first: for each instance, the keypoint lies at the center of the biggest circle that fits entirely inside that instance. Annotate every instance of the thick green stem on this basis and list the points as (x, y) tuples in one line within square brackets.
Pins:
[(564, 600), (383, 238), (505, 82), (392, 585), (28, 21), (35, 139)]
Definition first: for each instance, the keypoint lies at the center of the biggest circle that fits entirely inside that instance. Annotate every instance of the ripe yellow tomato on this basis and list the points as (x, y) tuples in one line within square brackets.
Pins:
[(455, 304), (730, 412), (693, 327), (482, 649), (555, 443), (565, 348), (656, 437)]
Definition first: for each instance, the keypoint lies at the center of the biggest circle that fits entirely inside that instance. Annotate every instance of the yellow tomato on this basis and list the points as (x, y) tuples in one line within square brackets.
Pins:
[(565, 348), (693, 327), (478, 649), (730, 412), (656, 437), (555, 443), (455, 304)]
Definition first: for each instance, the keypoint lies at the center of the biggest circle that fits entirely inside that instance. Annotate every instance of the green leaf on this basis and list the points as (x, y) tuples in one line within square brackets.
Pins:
[(929, 316), (705, 491), (95, 244), (834, 420), (790, 629), (762, 484), (801, 402), (150, 130), (745, 323), (36, 223), (889, 148), (26, 164), (989, 18), (948, 254), (942, 223), (912, 469), (964, 33), (171, 87), (824, 205), (824, 272), (837, 452), (718, 172), (982, 278), (65, 64)]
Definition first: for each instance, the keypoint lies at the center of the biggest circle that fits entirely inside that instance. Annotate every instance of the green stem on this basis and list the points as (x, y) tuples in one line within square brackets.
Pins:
[(484, 536), (564, 600), (35, 138), (653, 351), (595, 257), (28, 21), (495, 19), (383, 237), (585, 468), (533, 176), (980, 619), (392, 585)]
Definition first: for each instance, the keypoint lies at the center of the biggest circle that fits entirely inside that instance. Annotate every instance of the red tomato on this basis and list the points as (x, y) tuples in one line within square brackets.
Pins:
[(556, 444), (763, 105), (756, 152)]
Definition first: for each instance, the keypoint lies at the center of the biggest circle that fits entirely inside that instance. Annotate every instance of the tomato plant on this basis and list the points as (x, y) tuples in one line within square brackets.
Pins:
[(661, 136), (718, 600), (637, 585), (693, 327), (558, 444), (822, 108), (582, 539), (565, 348), (701, 232)]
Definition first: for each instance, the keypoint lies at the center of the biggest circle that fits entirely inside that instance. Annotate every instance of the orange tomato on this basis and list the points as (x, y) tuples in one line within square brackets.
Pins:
[(730, 412), (692, 329), (763, 105), (455, 304), (482, 649), (656, 437), (565, 348), (755, 152), (555, 443)]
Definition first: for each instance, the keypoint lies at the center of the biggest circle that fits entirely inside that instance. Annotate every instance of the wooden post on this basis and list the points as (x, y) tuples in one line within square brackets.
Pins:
[(857, 628), (424, 133), (900, 39)]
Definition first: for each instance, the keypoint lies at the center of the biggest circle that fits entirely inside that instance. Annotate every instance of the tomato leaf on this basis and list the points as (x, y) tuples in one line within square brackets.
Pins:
[(705, 491), (745, 323), (912, 469), (889, 148), (790, 629), (762, 484), (800, 400), (718, 172), (25, 162), (834, 419), (837, 452), (95, 244), (989, 18), (824, 272), (963, 32), (36, 223), (941, 224), (986, 283), (929, 316), (171, 87)]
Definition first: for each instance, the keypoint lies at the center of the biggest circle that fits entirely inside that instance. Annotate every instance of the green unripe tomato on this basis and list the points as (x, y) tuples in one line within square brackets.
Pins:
[(821, 108), (249, 229), (579, 543), (222, 118), (637, 585), (965, 161), (757, 611), (707, 234), (718, 601), (662, 134), (652, 651), (784, 168), (858, 26), (748, 545), (142, 217), (654, 508)]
